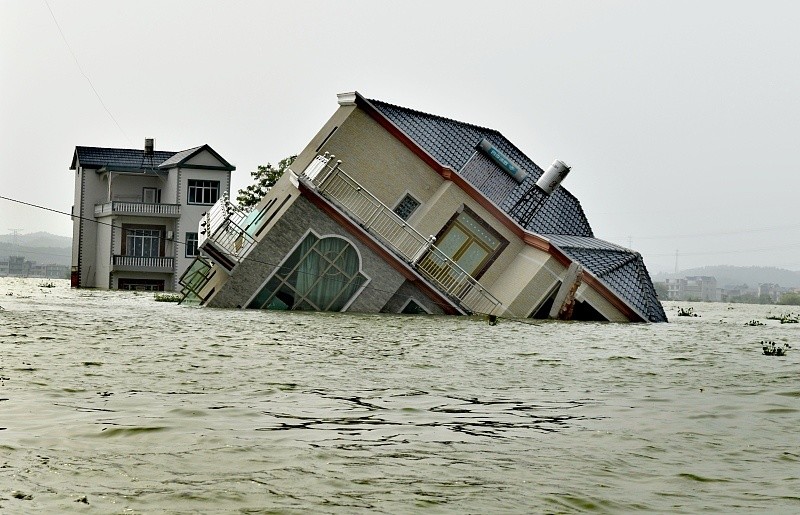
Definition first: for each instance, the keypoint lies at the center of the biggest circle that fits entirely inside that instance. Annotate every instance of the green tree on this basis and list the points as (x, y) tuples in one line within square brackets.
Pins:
[(265, 177), (790, 299), (662, 291)]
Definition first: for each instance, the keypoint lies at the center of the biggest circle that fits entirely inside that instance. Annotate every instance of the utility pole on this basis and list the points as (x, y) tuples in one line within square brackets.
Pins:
[(15, 232), (676, 261)]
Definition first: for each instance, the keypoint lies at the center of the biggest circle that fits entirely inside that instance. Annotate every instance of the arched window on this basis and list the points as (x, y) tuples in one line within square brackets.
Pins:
[(321, 274)]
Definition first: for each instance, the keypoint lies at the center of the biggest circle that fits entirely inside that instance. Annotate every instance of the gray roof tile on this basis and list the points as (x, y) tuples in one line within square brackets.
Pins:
[(621, 269), (118, 158), (453, 143)]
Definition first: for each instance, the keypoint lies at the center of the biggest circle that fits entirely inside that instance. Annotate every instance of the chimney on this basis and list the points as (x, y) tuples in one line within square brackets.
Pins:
[(149, 143)]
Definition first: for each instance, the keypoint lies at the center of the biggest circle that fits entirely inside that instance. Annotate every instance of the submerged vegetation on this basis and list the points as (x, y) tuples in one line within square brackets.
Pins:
[(786, 318), (771, 348), (168, 297)]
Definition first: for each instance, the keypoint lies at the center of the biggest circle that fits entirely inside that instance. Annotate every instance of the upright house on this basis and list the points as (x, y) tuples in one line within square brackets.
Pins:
[(389, 209), (136, 213)]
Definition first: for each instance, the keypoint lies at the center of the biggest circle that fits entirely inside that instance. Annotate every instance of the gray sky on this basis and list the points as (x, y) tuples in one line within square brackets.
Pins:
[(680, 119)]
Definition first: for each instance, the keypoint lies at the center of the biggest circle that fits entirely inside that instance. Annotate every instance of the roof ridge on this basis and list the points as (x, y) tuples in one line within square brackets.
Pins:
[(417, 111), (127, 149)]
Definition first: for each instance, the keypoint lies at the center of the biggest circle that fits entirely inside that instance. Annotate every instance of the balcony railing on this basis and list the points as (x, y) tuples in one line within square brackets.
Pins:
[(379, 220), (222, 234), (156, 264), (117, 207)]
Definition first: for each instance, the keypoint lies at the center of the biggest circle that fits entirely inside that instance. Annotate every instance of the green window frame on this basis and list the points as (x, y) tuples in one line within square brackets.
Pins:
[(320, 274)]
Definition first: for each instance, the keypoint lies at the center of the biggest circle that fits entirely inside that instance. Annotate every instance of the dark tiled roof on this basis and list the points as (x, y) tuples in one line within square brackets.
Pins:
[(561, 218), (178, 157), (453, 144), (118, 158), (621, 269)]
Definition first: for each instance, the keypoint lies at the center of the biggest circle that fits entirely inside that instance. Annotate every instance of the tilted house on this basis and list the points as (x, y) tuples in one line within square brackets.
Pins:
[(388, 209), (136, 213)]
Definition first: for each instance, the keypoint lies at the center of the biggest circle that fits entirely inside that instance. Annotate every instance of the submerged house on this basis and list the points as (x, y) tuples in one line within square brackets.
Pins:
[(389, 209), (136, 213)]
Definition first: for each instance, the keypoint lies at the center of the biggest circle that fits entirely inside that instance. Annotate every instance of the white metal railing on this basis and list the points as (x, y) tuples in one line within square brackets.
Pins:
[(376, 217), (223, 226), (144, 262), (136, 208)]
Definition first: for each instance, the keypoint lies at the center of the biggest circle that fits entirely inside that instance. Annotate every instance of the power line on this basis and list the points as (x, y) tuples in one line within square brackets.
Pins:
[(719, 233), (252, 260), (80, 69)]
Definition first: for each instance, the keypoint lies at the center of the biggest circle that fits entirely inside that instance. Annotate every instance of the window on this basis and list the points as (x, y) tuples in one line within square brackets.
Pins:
[(142, 242), (470, 242), (151, 195), (191, 244), (141, 284), (203, 192), (406, 207), (319, 275)]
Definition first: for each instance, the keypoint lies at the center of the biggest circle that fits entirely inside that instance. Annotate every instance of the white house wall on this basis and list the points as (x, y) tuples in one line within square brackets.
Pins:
[(94, 192), (189, 220), (103, 254)]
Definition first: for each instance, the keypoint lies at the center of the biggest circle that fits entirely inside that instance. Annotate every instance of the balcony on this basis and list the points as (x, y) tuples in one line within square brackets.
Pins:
[(142, 264), (380, 221), (121, 207), (223, 234)]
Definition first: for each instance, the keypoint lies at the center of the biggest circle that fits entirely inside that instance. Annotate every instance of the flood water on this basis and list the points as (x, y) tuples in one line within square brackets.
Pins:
[(111, 402)]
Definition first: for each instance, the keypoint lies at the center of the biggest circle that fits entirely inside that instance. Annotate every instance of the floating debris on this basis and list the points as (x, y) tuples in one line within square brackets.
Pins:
[(48, 284), (786, 318), (771, 348), (755, 323), (168, 297), (687, 312)]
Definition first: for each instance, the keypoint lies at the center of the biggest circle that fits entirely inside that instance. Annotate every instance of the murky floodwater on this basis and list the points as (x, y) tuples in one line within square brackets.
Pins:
[(138, 406)]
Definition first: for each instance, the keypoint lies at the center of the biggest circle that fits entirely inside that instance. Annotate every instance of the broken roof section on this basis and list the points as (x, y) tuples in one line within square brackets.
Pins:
[(561, 219)]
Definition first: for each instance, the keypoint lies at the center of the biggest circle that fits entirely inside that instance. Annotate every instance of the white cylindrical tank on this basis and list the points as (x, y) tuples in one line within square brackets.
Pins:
[(550, 179)]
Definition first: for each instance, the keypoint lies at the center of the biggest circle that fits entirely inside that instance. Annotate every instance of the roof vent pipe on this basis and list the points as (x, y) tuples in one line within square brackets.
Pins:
[(550, 179), (149, 144)]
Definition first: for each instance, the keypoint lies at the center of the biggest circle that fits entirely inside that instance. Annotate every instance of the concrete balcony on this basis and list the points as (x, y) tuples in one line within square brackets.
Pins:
[(142, 264), (224, 236), (118, 207)]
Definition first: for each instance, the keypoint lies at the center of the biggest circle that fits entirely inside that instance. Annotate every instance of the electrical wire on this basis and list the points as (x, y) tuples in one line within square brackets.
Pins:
[(180, 242), (80, 69)]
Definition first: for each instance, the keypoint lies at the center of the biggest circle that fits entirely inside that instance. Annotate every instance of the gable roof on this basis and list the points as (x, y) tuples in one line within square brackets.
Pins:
[(180, 159), (117, 158), (621, 269), (453, 144), (132, 159), (560, 219)]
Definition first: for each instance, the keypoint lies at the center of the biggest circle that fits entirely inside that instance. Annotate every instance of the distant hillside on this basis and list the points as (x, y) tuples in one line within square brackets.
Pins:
[(41, 247), (38, 239), (735, 275)]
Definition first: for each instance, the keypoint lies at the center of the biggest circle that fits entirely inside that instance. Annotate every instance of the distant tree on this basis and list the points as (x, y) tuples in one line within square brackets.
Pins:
[(790, 299), (265, 178)]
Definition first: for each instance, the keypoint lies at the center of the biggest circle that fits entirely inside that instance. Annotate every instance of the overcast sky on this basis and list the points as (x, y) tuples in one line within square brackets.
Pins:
[(681, 120)]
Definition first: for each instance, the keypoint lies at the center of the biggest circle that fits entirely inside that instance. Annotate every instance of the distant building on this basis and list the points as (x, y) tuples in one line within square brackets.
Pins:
[(696, 287), (771, 290), (136, 213), (18, 266)]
